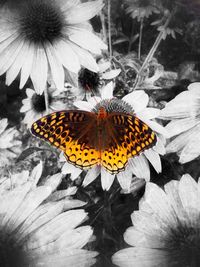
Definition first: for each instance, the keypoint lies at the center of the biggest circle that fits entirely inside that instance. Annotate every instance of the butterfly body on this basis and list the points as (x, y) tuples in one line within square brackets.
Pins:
[(90, 138)]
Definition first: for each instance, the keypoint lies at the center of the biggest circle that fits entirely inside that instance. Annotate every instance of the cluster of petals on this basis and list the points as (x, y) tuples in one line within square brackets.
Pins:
[(165, 229), (184, 126), (39, 225)]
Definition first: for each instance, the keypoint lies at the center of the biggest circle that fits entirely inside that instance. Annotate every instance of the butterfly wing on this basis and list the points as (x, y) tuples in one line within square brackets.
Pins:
[(127, 136), (73, 132)]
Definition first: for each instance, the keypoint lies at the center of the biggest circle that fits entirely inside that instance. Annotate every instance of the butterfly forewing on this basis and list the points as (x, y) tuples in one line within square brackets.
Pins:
[(73, 132), (128, 137)]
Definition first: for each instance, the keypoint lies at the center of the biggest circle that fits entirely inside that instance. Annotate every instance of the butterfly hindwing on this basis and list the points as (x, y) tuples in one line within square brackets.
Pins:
[(70, 131), (129, 136)]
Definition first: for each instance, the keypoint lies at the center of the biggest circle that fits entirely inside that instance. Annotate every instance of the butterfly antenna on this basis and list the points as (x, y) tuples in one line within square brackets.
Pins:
[(93, 93)]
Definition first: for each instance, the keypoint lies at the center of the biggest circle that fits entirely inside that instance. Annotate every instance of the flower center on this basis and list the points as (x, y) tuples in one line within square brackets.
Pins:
[(11, 254), (114, 105), (41, 21), (38, 102), (184, 243), (89, 80)]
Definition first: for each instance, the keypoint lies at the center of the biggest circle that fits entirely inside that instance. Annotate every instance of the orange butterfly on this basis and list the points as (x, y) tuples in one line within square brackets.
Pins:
[(89, 138)]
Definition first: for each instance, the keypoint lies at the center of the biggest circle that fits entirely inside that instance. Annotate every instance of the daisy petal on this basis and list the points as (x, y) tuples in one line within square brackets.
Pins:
[(56, 67), (107, 91), (91, 175), (95, 45), (137, 99), (111, 74), (124, 178), (149, 113), (83, 12), (154, 159), (106, 179), (85, 58), (190, 151), (140, 167), (67, 56), (27, 66), (39, 70), (84, 105), (14, 69), (176, 127)]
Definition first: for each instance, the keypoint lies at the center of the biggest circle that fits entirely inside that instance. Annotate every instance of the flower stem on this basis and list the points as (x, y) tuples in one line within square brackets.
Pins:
[(46, 98), (152, 51), (103, 24), (140, 38), (109, 30), (131, 37)]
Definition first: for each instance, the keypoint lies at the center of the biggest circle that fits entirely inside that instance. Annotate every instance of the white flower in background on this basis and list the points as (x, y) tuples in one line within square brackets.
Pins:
[(138, 165), (38, 226), (165, 230), (89, 82), (38, 37), (184, 128), (34, 105), (9, 145)]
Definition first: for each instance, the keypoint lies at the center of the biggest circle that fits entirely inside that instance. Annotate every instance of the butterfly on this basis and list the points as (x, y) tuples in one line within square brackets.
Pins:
[(88, 138)]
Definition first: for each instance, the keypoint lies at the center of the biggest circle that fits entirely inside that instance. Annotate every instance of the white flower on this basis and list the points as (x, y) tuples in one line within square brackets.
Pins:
[(38, 227), (138, 165), (184, 113), (38, 37), (89, 82), (9, 146), (165, 230), (34, 105)]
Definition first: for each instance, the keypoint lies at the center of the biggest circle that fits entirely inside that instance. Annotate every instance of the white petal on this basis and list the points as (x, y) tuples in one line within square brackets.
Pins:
[(154, 159), (109, 75), (190, 151), (124, 178), (54, 228), (106, 179), (194, 88), (181, 141), (3, 125), (56, 67), (171, 190), (9, 57), (176, 127), (12, 201), (73, 257), (94, 45), (30, 203), (85, 58), (182, 106), (14, 69), (83, 12), (107, 91), (159, 147), (67, 56), (137, 99), (158, 201), (104, 66), (140, 167), (39, 70), (141, 257), (83, 105), (30, 92), (149, 113), (27, 66), (36, 173), (190, 197), (91, 175)]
